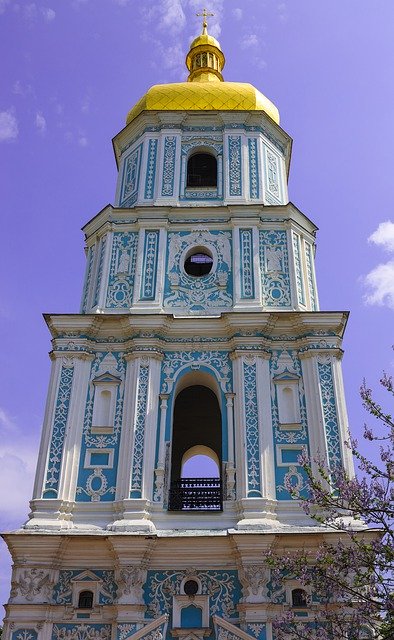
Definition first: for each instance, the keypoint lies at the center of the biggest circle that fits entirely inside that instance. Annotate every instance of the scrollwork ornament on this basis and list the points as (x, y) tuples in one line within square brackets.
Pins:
[(130, 582), (32, 585)]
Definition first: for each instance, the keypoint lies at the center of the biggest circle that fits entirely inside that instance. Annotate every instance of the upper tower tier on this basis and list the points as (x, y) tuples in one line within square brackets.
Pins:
[(201, 224), (202, 142)]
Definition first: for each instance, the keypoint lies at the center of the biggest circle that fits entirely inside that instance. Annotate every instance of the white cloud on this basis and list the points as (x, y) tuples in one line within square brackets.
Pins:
[(237, 13), (30, 11), (83, 141), (380, 280), (250, 41), (18, 456), (384, 235), (8, 126), (40, 122), (48, 14), (85, 106), (3, 5)]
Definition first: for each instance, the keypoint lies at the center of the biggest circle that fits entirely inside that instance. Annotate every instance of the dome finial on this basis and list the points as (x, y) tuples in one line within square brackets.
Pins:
[(204, 14), (205, 59)]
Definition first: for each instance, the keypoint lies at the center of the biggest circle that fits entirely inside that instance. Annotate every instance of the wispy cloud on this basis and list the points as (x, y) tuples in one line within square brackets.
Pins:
[(166, 23), (3, 5), (41, 123), (18, 455), (380, 280), (8, 126), (282, 10), (237, 13), (48, 14), (250, 41)]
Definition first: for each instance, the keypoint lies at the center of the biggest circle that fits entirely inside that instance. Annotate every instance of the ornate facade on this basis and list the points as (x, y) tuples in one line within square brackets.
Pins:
[(199, 334)]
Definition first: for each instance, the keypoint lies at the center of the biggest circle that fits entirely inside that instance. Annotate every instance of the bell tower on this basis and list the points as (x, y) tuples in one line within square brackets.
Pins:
[(182, 395)]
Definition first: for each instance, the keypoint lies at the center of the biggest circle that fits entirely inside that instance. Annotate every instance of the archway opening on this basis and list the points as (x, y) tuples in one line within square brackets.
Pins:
[(196, 451), (202, 171)]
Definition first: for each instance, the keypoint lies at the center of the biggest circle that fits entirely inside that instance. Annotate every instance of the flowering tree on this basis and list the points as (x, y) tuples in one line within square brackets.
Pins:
[(348, 582)]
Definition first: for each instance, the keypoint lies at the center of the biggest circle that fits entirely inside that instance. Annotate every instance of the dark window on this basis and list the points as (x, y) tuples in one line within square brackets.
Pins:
[(298, 598), (202, 171), (198, 264), (190, 587), (85, 600)]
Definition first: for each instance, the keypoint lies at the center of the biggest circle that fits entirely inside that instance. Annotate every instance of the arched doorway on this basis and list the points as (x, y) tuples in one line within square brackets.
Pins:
[(196, 451)]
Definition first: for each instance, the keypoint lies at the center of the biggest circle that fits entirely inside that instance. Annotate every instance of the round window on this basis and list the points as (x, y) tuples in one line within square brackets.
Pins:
[(190, 587), (199, 263)]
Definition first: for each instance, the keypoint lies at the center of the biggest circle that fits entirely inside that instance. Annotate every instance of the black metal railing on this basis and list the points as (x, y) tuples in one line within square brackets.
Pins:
[(196, 494)]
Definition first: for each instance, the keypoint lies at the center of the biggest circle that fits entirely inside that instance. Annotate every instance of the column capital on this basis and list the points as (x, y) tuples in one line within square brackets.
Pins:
[(144, 355)]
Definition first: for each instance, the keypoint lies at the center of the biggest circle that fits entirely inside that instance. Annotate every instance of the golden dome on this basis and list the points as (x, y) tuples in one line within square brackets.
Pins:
[(205, 89), (204, 96)]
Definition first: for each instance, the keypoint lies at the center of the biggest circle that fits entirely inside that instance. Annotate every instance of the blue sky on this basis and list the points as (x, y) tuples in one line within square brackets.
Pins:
[(73, 70)]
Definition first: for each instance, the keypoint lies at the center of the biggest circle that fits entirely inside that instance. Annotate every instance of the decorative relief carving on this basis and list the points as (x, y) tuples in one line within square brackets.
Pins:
[(139, 432), (298, 269), (130, 582), (274, 264), (273, 184), (151, 169), (175, 362), (89, 269), (107, 588), (246, 249), (125, 630), (235, 167), (131, 173), (81, 632), (309, 275), (32, 585), (58, 432), (254, 191), (122, 270), (103, 242), (167, 188), (294, 478), (254, 579), (212, 291), (252, 429), (149, 272), (256, 629), (222, 587), (331, 425), (24, 634)]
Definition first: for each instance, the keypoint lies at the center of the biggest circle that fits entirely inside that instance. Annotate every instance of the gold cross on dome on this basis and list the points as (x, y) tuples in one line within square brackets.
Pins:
[(204, 14)]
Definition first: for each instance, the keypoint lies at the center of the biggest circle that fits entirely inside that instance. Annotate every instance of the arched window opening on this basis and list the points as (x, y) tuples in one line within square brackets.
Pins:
[(85, 600), (196, 451), (202, 171), (200, 466), (299, 598)]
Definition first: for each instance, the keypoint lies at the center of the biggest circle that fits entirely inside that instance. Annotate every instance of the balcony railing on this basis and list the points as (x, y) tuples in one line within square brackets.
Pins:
[(196, 494)]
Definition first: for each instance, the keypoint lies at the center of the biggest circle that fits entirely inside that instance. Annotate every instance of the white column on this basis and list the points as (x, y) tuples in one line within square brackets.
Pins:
[(267, 456), (126, 438), (159, 471), (239, 426), (73, 440), (343, 424), (151, 418), (230, 426), (47, 424), (105, 273), (314, 408)]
